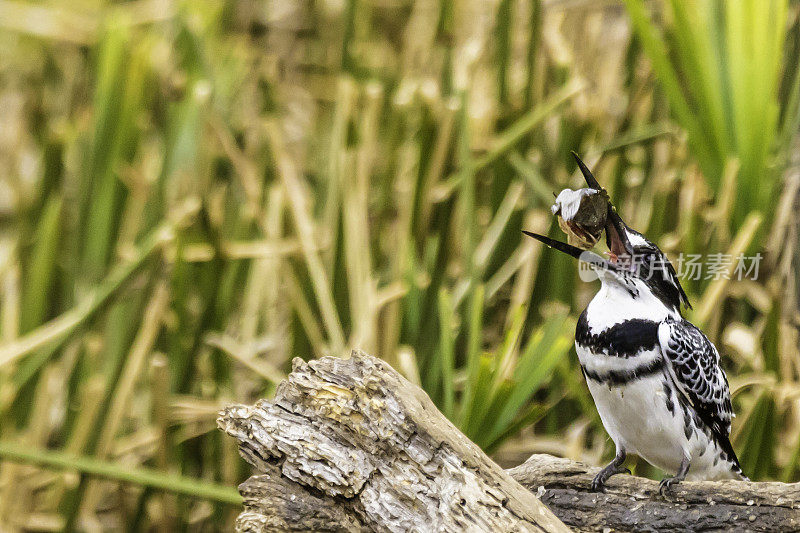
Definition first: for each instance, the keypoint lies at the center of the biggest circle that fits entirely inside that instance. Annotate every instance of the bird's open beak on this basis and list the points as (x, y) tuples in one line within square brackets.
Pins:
[(616, 237)]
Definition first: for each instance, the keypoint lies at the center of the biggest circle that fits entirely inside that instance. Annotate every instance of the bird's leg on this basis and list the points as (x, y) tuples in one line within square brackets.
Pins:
[(668, 482), (614, 467)]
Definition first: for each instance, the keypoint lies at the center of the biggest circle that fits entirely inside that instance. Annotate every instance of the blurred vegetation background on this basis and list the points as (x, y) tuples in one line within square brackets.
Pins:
[(193, 193)]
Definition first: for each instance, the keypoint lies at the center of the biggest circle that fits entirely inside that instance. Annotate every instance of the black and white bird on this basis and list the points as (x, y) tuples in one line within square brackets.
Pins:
[(655, 378)]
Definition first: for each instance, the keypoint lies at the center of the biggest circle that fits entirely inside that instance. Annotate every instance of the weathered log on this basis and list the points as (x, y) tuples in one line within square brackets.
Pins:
[(634, 504), (350, 445)]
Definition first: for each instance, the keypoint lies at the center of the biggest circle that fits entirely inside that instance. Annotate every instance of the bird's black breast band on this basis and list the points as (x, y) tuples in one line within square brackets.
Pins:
[(625, 339), (614, 378)]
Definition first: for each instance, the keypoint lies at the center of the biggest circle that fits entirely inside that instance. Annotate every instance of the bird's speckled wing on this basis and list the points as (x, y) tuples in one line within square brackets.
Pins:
[(694, 364)]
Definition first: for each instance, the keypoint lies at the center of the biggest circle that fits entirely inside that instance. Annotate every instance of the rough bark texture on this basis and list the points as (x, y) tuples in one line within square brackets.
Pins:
[(349, 445), (633, 503)]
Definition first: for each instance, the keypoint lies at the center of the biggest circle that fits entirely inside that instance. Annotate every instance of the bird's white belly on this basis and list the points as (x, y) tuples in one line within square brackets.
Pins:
[(637, 419)]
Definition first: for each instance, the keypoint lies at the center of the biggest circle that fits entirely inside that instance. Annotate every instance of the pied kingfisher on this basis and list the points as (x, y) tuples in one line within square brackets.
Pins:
[(655, 378)]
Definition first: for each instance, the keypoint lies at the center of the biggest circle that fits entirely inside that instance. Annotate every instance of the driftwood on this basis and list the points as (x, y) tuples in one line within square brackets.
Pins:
[(350, 445), (633, 504)]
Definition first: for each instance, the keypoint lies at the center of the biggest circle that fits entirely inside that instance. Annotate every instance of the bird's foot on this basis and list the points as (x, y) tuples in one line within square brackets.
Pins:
[(667, 483), (599, 481)]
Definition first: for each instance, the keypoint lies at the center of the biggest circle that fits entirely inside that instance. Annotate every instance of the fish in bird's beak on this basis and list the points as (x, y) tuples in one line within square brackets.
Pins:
[(616, 236), (582, 215), (583, 221)]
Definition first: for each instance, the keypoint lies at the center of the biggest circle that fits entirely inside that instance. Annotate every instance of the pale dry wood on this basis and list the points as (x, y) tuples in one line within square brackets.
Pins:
[(350, 445)]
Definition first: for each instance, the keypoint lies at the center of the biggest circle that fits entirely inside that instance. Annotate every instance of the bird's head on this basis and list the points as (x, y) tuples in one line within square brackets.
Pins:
[(633, 261)]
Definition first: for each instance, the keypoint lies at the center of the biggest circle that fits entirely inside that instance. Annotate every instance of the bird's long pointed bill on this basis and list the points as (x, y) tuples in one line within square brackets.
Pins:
[(583, 255), (591, 181), (568, 249)]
